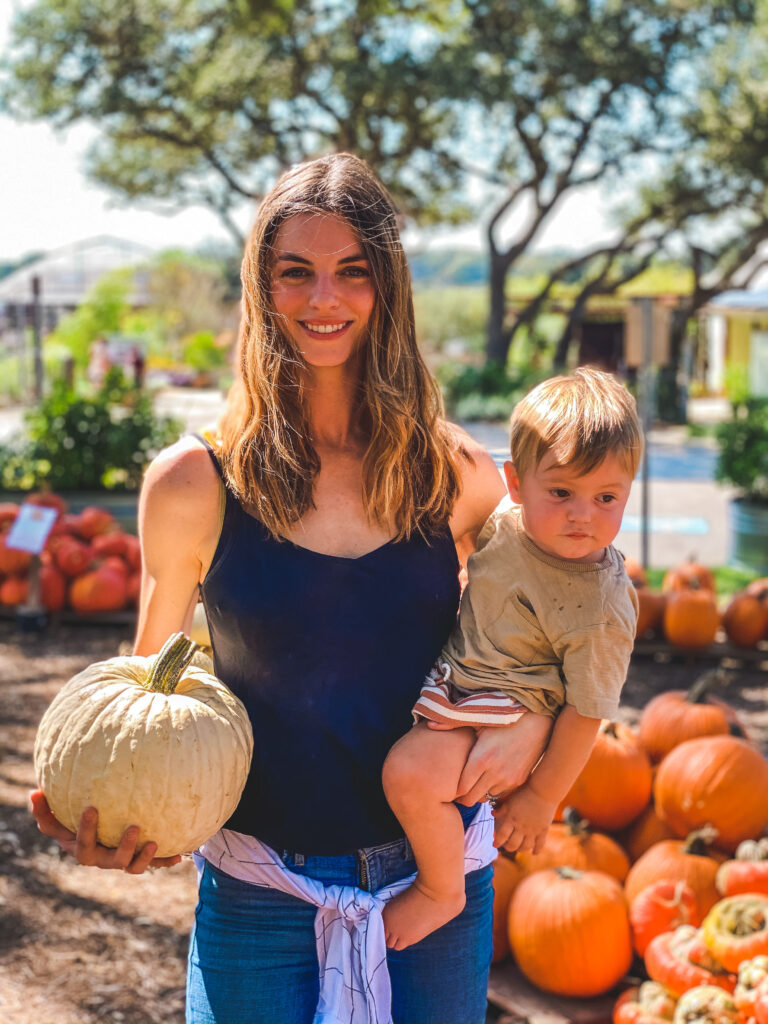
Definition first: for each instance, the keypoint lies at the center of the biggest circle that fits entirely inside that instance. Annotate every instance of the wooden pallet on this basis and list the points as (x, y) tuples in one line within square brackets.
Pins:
[(721, 652), (522, 1002)]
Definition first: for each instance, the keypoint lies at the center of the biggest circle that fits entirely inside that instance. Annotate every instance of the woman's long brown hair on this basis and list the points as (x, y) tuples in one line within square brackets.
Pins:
[(410, 475)]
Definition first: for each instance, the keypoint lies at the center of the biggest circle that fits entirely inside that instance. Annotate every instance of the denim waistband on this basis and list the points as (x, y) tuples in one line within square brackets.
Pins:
[(371, 867)]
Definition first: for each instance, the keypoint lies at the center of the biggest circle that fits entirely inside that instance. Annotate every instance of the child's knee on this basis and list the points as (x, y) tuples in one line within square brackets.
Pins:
[(426, 765), (406, 768)]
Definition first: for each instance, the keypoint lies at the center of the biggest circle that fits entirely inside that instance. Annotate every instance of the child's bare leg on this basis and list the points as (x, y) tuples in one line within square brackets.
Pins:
[(421, 776)]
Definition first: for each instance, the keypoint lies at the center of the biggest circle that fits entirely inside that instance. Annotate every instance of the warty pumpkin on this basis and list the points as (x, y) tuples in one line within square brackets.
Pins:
[(569, 931), (751, 975), (649, 1003), (706, 1004), (721, 781), (679, 961), (614, 786), (736, 929), (660, 907), (747, 872), (148, 741)]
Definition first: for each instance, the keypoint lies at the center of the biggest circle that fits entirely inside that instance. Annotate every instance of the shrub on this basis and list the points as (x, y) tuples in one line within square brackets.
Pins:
[(75, 443), (743, 442), (487, 392)]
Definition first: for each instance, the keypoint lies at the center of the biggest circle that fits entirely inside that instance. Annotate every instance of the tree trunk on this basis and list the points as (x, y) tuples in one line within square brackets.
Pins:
[(497, 345)]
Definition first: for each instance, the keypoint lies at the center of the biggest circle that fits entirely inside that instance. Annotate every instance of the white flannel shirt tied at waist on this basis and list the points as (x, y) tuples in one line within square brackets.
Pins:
[(349, 929)]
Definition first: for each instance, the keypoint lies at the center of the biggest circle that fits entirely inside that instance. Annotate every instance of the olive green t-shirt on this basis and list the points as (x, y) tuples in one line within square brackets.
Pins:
[(544, 630)]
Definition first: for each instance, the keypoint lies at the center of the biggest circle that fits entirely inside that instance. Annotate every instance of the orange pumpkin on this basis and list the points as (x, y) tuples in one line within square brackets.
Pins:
[(101, 590), (690, 860), (736, 929), (643, 832), (12, 561), (679, 961), (506, 875), (14, 590), (672, 717), (48, 500), (111, 543), (720, 781), (688, 576), (558, 918), (132, 553), (8, 512), (573, 844), (614, 786), (636, 572), (691, 619), (650, 612), (758, 588), (72, 556), (745, 620), (649, 1003), (661, 907), (93, 521), (53, 588)]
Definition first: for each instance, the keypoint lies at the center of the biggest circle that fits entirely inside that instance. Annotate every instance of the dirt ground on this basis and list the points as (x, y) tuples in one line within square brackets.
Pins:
[(82, 946)]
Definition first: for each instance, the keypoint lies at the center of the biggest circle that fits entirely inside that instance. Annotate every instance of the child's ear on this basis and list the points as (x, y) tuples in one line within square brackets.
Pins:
[(513, 482)]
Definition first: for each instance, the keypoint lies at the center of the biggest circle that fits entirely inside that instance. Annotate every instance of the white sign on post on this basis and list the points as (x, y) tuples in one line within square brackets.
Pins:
[(31, 528)]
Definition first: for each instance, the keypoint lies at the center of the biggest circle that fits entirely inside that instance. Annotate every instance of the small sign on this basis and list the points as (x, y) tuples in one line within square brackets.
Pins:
[(31, 528)]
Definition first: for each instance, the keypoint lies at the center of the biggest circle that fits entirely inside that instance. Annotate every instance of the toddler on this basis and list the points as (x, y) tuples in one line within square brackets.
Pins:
[(546, 626)]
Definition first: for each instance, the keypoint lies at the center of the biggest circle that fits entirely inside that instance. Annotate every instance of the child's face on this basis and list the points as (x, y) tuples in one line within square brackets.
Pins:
[(568, 514)]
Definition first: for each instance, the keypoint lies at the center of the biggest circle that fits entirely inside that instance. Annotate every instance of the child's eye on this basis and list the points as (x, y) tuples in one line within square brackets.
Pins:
[(606, 499), (559, 492)]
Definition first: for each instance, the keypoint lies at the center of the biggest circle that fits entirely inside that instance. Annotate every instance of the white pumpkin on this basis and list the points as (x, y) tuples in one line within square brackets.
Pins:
[(154, 742)]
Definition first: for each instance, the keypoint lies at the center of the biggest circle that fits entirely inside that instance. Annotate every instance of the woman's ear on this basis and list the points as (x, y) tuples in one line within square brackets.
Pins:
[(513, 482)]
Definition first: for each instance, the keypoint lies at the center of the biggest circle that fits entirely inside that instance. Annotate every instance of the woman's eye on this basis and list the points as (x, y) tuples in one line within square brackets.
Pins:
[(295, 272), (357, 272)]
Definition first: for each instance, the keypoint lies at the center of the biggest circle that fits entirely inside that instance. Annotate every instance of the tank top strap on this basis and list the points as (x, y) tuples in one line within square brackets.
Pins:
[(212, 453)]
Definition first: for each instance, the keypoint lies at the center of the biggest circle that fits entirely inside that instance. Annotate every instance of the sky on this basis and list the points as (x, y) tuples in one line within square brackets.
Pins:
[(47, 202)]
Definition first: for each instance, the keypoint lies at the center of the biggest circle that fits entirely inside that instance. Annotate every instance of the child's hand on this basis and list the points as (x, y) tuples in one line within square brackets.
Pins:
[(522, 820)]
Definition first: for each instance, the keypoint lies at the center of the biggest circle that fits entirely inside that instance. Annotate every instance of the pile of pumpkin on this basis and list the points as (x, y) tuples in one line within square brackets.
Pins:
[(88, 563), (686, 610), (657, 863)]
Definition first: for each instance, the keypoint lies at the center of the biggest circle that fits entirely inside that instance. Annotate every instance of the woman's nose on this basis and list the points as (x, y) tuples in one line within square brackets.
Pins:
[(324, 294)]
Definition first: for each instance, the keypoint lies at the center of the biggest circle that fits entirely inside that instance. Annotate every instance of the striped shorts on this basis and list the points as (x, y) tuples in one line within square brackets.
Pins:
[(442, 701)]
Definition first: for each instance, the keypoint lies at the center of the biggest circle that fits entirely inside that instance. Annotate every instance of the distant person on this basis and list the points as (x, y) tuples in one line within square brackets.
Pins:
[(99, 363), (547, 626), (137, 365)]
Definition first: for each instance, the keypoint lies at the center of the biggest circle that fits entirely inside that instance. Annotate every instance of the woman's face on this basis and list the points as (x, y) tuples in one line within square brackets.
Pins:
[(322, 287)]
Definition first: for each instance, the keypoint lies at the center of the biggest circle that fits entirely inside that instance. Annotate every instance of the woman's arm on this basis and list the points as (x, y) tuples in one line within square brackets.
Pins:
[(179, 522), (482, 488)]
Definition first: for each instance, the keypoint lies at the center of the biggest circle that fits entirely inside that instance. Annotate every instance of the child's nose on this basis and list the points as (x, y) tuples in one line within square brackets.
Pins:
[(579, 510)]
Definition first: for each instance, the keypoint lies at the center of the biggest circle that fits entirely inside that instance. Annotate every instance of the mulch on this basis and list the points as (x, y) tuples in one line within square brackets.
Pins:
[(83, 946)]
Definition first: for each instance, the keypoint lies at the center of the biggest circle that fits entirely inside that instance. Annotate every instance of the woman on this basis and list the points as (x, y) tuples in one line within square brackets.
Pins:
[(325, 530)]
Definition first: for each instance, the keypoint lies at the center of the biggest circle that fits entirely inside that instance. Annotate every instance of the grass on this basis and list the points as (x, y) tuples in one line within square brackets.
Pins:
[(727, 580)]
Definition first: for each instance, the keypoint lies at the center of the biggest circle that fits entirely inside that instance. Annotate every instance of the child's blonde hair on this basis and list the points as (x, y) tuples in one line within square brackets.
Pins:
[(580, 419)]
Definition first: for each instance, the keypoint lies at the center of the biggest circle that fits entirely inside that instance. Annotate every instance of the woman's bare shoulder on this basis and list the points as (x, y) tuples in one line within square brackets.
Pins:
[(183, 475), (482, 487)]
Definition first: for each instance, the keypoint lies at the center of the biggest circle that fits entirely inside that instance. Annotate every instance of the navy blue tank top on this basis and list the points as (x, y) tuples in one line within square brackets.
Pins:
[(327, 654)]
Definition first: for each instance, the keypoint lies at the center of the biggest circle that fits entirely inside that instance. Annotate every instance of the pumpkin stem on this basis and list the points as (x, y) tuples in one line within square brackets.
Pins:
[(609, 729), (702, 686), (698, 842), (577, 826), (175, 654), (567, 872)]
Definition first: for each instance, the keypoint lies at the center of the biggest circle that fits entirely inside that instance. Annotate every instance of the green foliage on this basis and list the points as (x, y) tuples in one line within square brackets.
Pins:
[(76, 443), (100, 313), (728, 581), (443, 314), (201, 352), (743, 443), (486, 392)]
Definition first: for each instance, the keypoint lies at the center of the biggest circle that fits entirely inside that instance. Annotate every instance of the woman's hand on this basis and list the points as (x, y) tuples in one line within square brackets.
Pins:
[(503, 757), (83, 846)]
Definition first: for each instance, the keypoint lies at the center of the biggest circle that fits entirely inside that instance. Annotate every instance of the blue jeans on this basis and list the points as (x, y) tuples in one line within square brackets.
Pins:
[(252, 953)]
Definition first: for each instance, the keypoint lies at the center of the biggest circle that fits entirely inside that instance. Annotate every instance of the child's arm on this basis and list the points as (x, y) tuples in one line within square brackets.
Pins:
[(523, 818)]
